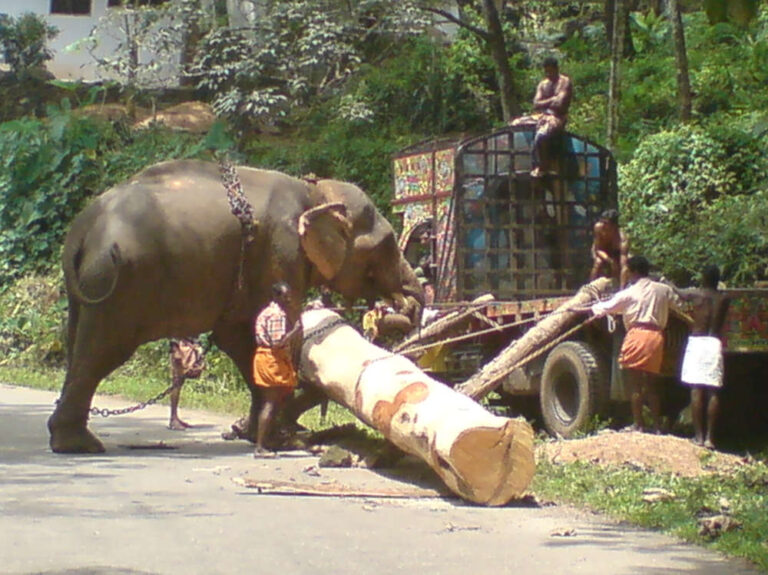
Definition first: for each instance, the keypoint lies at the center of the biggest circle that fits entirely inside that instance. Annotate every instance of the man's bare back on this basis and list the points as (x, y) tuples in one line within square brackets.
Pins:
[(709, 310)]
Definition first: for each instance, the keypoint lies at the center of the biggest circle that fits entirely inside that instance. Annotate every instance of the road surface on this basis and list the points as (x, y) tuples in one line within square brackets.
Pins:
[(171, 511)]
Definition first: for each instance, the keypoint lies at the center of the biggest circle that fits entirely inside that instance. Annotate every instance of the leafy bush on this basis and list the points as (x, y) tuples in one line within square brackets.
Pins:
[(32, 313), (52, 167), (49, 169), (24, 42), (693, 196)]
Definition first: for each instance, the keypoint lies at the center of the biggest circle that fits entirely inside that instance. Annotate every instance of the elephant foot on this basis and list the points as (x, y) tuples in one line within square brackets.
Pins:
[(241, 429), (73, 439)]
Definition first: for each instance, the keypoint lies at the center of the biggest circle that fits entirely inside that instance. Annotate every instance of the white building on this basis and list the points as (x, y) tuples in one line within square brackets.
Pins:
[(75, 19)]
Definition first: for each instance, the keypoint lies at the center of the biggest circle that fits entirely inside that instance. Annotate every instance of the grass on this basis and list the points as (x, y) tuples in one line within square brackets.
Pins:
[(617, 492)]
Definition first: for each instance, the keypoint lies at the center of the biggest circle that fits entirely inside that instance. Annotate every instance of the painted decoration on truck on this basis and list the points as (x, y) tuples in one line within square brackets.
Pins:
[(423, 190), (424, 175), (746, 325)]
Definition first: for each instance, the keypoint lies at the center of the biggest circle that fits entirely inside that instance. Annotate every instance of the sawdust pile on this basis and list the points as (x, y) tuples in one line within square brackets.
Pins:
[(642, 451)]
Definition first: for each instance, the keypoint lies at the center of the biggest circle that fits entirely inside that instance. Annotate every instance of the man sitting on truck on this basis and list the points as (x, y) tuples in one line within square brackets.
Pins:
[(550, 107), (644, 305)]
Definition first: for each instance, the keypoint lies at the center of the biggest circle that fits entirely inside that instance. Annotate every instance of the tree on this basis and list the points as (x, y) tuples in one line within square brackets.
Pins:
[(24, 42), (297, 51), (699, 194), (151, 42), (614, 82), (681, 61), (492, 35)]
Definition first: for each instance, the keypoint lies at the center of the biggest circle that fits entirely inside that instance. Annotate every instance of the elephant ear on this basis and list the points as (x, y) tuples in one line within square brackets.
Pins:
[(324, 233)]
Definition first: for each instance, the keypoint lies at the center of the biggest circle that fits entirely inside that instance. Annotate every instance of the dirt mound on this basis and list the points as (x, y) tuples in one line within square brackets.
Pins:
[(195, 117), (662, 453), (112, 112)]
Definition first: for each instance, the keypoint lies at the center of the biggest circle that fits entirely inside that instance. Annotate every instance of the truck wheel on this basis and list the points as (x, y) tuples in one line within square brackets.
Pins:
[(574, 388)]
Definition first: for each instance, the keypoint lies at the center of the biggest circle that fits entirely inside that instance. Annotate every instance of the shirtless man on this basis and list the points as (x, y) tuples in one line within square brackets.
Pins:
[(703, 362), (610, 249), (551, 103)]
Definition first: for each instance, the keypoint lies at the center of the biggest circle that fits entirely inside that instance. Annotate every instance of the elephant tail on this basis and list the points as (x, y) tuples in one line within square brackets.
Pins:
[(94, 282)]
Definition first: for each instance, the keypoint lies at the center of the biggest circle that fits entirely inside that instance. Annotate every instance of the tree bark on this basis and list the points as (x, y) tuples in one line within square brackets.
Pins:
[(614, 82), (510, 103), (534, 340), (481, 457), (681, 60)]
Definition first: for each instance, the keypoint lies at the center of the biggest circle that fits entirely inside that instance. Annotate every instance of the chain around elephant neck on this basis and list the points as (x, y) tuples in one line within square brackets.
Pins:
[(240, 207)]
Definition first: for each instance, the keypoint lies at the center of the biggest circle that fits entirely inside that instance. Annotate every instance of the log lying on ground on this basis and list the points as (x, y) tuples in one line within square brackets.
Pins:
[(443, 325), (481, 457), (537, 339)]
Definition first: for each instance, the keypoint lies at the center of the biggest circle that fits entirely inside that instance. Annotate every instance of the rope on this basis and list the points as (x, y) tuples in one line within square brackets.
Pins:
[(489, 383), (500, 328)]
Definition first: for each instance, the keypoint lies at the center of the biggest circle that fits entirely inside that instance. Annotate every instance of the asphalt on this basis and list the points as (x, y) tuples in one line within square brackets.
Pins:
[(165, 502)]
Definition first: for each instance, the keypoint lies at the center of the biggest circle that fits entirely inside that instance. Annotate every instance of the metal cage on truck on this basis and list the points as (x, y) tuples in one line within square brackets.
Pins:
[(477, 222)]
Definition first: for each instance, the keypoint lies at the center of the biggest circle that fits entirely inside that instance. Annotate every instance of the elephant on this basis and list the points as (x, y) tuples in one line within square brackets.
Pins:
[(161, 255)]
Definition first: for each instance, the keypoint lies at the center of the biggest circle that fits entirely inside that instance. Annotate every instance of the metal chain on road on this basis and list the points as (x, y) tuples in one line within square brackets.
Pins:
[(104, 412)]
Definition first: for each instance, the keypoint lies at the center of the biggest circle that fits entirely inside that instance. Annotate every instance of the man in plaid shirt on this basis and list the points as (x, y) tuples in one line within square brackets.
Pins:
[(272, 365)]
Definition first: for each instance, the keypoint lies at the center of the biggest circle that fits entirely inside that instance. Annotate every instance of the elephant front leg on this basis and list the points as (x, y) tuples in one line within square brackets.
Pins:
[(236, 342)]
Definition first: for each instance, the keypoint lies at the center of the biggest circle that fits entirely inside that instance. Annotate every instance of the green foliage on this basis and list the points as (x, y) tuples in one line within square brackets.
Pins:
[(648, 30), (24, 42), (296, 52), (32, 312), (49, 169), (695, 195), (421, 90), (619, 493), (52, 167)]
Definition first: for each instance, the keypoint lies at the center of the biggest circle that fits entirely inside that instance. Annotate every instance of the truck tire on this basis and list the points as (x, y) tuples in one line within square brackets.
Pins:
[(574, 388)]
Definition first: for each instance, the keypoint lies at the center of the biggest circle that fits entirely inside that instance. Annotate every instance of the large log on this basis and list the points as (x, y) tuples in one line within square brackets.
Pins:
[(535, 340), (481, 457)]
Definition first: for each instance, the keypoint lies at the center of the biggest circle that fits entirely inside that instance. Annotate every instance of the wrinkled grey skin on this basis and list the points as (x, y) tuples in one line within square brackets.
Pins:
[(158, 257)]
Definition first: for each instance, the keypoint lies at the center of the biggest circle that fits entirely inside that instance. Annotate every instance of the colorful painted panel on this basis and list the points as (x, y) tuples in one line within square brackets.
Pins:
[(746, 325), (423, 175)]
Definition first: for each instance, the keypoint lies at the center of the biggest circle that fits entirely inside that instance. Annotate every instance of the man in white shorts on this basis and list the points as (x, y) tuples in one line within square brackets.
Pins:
[(703, 361)]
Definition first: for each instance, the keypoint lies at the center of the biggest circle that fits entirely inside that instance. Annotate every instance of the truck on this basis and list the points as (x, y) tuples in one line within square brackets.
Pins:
[(474, 221)]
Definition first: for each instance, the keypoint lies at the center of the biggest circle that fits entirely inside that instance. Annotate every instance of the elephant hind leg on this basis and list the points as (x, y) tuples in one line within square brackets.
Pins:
[(92, 358)]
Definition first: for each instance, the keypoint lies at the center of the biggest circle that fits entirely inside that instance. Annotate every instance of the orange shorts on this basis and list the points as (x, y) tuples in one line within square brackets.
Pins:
[(273, 368), (642, 349)]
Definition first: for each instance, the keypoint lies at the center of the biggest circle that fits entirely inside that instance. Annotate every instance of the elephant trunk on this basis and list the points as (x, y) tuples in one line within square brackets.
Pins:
[(410, 301)]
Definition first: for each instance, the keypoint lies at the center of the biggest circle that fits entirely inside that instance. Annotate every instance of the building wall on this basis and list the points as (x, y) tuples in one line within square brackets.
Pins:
[(65, 64)]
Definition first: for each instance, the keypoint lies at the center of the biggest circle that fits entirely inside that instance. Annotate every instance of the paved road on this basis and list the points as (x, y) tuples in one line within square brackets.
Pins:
[(171, 511)]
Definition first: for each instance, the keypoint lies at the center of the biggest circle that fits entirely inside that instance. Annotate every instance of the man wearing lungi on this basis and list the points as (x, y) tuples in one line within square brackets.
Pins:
[(644, 305), (273, 369), (703, 360), (551, 103)]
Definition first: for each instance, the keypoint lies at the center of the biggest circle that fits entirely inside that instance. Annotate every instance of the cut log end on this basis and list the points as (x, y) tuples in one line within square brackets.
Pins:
[(494, 465)]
